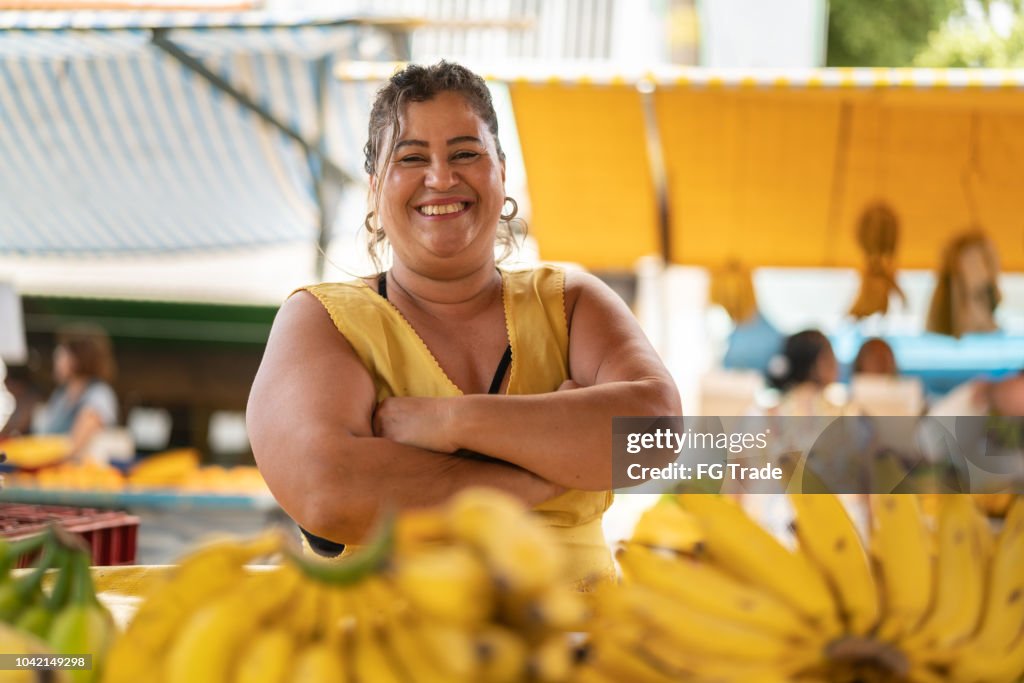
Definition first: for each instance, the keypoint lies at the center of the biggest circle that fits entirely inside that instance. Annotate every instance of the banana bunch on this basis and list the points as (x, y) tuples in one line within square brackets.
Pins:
[(925, 601), (38, 450), (194, 620), (470, 592), (66, 620), (480, 586)]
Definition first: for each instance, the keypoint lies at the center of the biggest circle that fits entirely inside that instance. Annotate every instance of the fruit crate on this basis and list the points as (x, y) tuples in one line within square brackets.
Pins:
[(112, 535)]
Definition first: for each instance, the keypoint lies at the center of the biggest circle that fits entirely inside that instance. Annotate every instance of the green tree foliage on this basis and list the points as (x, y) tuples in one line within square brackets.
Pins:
[(883, 32), (963, 43)]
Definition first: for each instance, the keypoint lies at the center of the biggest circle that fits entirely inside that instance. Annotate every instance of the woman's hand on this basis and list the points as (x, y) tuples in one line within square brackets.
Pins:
[(415, 421)]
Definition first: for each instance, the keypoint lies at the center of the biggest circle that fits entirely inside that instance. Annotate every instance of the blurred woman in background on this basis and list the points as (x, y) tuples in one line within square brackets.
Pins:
[(801, 373), (83, 403), (875, 357)]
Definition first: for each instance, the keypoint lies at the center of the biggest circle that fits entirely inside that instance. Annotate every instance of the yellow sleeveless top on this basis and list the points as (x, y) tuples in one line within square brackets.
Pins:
[(401, 365)]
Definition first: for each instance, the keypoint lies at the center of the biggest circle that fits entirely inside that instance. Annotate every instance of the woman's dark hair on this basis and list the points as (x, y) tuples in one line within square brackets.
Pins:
[(90, 350), (416, 83), (796, 363)]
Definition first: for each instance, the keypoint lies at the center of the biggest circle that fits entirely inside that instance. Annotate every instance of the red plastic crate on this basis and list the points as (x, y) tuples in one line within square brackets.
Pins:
[(112, 535)]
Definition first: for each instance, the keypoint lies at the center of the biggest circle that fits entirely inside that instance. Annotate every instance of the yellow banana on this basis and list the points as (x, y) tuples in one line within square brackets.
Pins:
[(502, 655), (588, 674), (828, 536), (656, 646), (985, 536), (302, 616), (611, 658), (901, 547), (336, 615), (960, 575), (447, 582), (523, 556), (451, 647), (437, 648), (977, 667), (551, 660), (666, 525), (201, 577), (740, 546), (267, 658), (555, 608), (208, 644), (318, 662), (694, 632), (1004, 604), (371, 663), (705, 589), (402, 633), (416, 528)]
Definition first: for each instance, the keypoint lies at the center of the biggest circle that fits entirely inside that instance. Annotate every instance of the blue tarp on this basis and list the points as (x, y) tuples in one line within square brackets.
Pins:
[(109, 143)]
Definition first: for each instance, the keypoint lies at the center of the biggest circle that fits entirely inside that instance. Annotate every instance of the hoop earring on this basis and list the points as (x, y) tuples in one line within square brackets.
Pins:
[(511, 214)]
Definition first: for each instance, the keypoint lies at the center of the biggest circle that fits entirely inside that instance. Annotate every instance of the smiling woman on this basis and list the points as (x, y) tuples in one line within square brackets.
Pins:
[(446, 371)]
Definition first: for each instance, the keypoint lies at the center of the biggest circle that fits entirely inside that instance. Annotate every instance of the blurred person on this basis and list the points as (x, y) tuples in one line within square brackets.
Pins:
[(383, 391), (801, 373), (20, 383), (875, 357), (83, 404)]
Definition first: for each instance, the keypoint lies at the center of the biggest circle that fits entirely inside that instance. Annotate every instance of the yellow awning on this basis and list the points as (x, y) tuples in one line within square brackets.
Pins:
[(779, 176), (591, 192)]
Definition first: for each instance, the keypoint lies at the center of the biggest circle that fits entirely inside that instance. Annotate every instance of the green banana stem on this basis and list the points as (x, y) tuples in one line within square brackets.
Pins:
[(371, 558), (62, 587), (6, 558), (82, 589), (11, 551), (31, 582), (15, 594)]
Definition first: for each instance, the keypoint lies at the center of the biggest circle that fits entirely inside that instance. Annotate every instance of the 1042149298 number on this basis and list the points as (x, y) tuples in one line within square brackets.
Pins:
[(73, 662)]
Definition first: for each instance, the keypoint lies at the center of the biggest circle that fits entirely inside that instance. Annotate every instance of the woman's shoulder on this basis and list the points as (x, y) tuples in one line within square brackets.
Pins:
[(567, 282), (98, 390), (101, 397), (337, 298)]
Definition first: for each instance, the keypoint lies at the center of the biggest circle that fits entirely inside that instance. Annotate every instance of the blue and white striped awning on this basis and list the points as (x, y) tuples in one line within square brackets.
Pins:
[(110, 143)]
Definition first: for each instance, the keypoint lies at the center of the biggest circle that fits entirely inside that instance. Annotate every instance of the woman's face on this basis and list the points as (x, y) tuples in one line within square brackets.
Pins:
[(443, 193), (63, 364), (826, 367)]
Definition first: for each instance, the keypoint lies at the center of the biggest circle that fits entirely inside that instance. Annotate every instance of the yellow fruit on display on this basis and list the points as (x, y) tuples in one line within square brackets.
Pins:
[(919, 601), (83, 476), (33, 452), (164, 470), (242, 479), (994, 504), (666, 525), (432, 599)]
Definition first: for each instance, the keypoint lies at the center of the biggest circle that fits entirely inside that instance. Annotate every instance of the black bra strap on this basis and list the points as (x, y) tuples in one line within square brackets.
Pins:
[(382, 285), (499, 374)]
